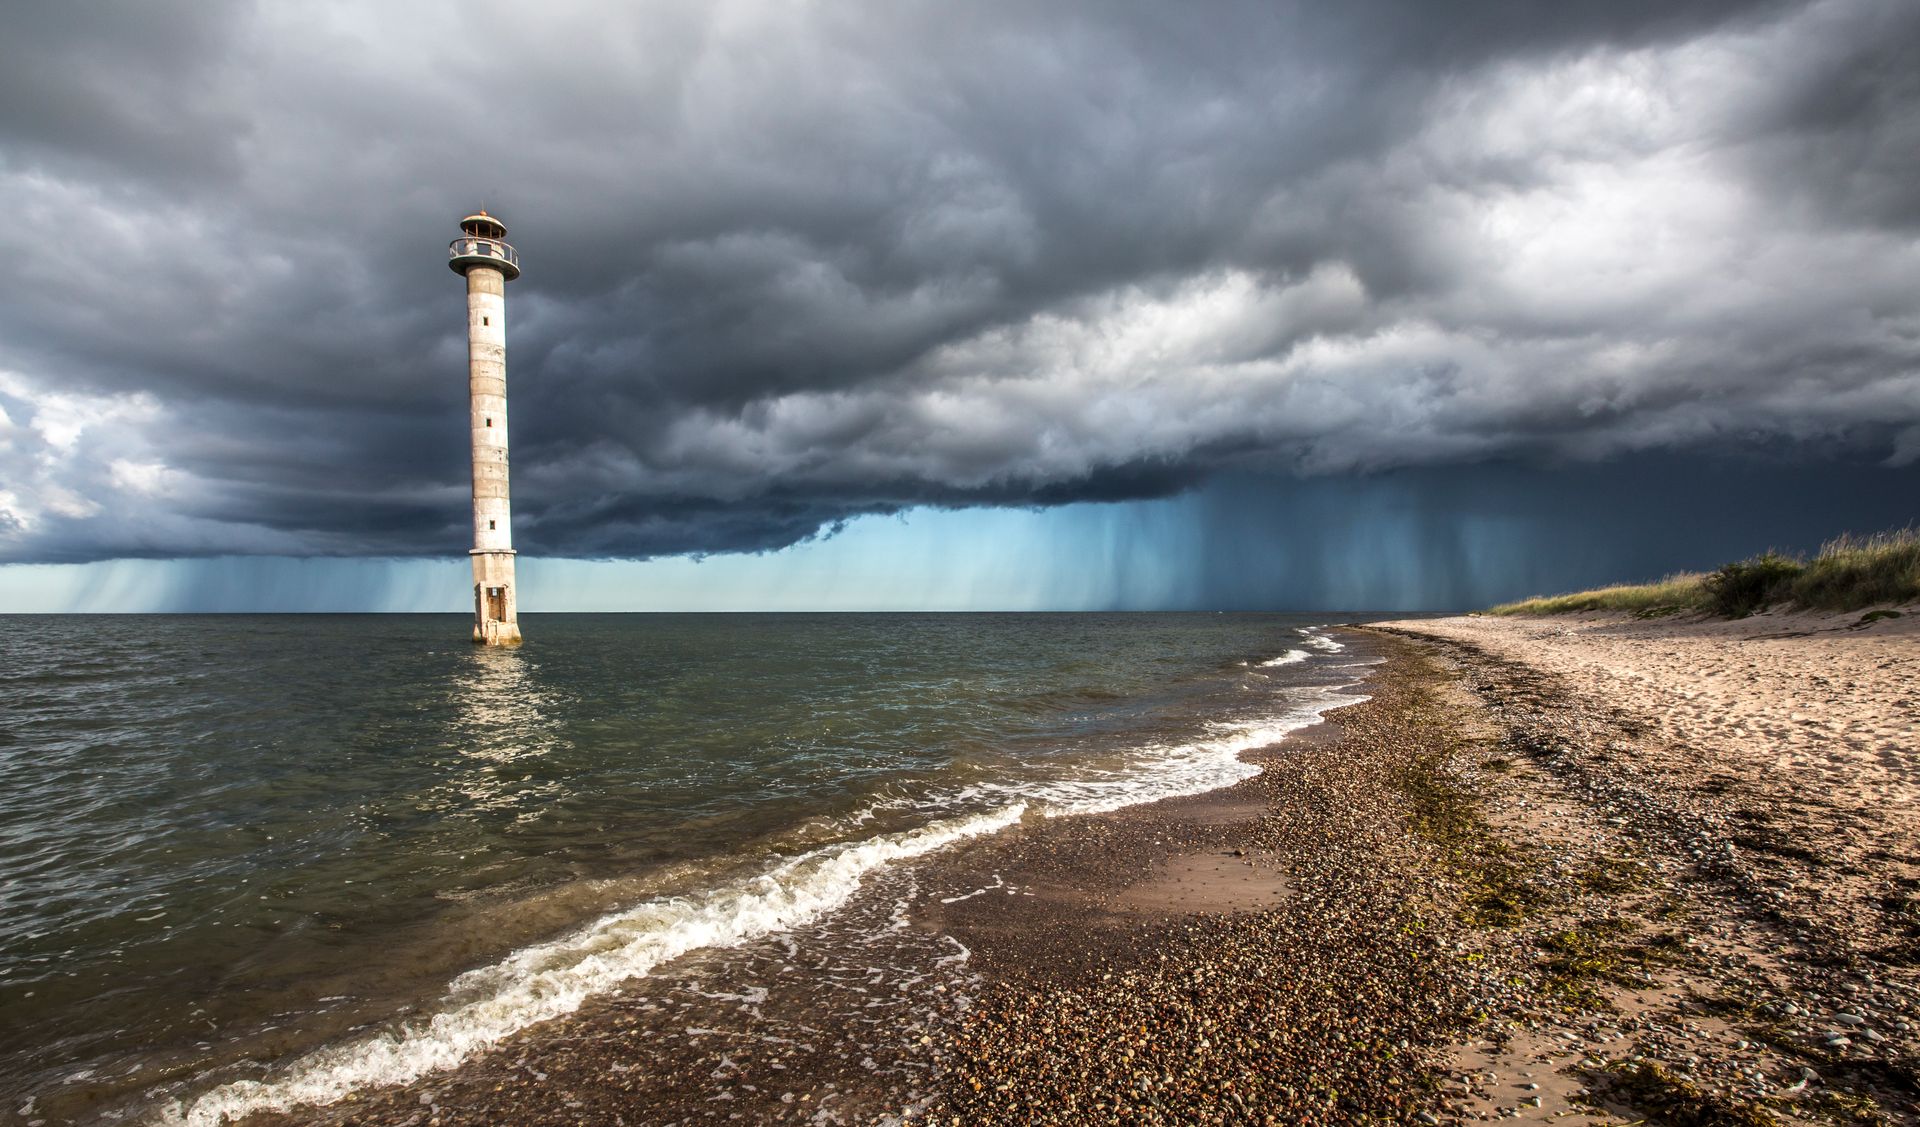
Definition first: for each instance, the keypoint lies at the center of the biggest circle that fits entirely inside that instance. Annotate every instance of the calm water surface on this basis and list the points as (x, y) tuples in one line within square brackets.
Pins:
[(226, 841)]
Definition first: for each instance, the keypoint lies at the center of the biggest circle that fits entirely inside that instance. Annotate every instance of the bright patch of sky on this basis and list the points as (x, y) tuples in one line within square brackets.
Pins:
[(990, 559)]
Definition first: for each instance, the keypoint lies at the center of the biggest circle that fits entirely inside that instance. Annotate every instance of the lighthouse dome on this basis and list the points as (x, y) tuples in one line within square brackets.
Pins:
[(484, 226)]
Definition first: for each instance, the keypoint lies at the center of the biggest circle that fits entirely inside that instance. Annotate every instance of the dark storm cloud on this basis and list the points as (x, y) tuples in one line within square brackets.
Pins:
[(787, 265), (120, 89)]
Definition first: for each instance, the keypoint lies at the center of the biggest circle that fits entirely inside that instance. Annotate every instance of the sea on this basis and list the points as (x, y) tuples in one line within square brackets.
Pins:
[(250, 861)]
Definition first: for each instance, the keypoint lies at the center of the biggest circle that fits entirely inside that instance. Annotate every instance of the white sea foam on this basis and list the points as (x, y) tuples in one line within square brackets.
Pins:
[(1172, 771), (1165, 770), (1320, 641), (1291, 657), (550, 979)]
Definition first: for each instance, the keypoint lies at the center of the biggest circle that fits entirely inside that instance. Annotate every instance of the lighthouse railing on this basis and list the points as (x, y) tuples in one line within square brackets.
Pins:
[(472, 247)]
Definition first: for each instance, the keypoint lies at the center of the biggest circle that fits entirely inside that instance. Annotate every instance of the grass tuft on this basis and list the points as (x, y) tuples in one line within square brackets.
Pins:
[(1850, 573)]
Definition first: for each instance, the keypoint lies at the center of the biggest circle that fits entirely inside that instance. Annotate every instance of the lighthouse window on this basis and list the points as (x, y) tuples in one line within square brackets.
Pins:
[(489, 524), (489, 422), (486, 320)]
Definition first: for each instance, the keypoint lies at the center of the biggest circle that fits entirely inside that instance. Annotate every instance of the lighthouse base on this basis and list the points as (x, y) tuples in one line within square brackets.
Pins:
[(496, 633), (496, 618)]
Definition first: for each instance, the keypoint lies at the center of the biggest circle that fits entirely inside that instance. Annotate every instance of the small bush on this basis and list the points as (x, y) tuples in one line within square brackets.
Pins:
[(1739, 589)]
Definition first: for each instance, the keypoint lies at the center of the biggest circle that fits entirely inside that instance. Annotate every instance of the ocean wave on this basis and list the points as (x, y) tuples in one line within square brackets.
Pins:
[(1319, 641), (549, 980), (1167, 770), (1291, 657)]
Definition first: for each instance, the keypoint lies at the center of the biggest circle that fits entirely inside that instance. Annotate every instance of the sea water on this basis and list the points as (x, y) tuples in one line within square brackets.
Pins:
[(253, 861)]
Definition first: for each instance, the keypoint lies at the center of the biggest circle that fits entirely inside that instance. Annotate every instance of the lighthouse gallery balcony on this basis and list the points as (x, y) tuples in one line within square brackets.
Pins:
[(468, 251)]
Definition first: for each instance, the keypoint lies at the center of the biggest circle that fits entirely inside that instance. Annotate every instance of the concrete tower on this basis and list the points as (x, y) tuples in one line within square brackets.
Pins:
[(489, 263)]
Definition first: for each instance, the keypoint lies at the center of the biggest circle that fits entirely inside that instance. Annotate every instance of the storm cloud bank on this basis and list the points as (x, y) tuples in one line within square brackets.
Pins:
[(788, 264)]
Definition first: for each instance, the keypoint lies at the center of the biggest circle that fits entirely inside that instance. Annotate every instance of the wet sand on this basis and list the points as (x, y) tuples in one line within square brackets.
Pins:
[(1493, 891)]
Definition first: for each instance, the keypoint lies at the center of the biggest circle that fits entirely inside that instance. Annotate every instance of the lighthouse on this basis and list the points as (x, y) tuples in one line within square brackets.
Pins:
[(482, 254)]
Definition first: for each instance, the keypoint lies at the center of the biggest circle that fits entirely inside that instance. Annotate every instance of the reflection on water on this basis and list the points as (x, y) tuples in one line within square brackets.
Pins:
[(502, 712), (502, 716)]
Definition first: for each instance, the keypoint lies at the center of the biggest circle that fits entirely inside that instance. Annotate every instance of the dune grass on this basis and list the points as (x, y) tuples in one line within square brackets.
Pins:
[(1850, 573), (1671, 595), (1854, 572)]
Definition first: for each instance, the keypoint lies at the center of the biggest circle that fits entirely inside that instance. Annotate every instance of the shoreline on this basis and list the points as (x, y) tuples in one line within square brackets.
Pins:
[(1460, 900), (1145, 990), (658, 1006), (1045, 898)]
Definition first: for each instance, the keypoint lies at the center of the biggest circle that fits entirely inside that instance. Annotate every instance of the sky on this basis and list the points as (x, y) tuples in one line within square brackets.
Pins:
[(1389, 304)]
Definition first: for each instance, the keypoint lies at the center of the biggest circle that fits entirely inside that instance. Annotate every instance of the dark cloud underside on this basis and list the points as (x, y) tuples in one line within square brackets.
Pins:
[(787, 265)]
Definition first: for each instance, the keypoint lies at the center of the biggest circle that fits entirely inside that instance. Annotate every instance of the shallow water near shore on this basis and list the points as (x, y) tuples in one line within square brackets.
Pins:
[(252, 860)]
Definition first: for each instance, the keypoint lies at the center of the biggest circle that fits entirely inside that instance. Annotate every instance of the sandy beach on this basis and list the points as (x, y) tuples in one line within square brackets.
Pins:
[(1577, 871), (1793, 740), (1732, 801)]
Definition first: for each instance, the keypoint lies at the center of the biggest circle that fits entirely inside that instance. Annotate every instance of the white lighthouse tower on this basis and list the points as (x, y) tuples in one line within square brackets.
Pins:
[(489, 263)]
